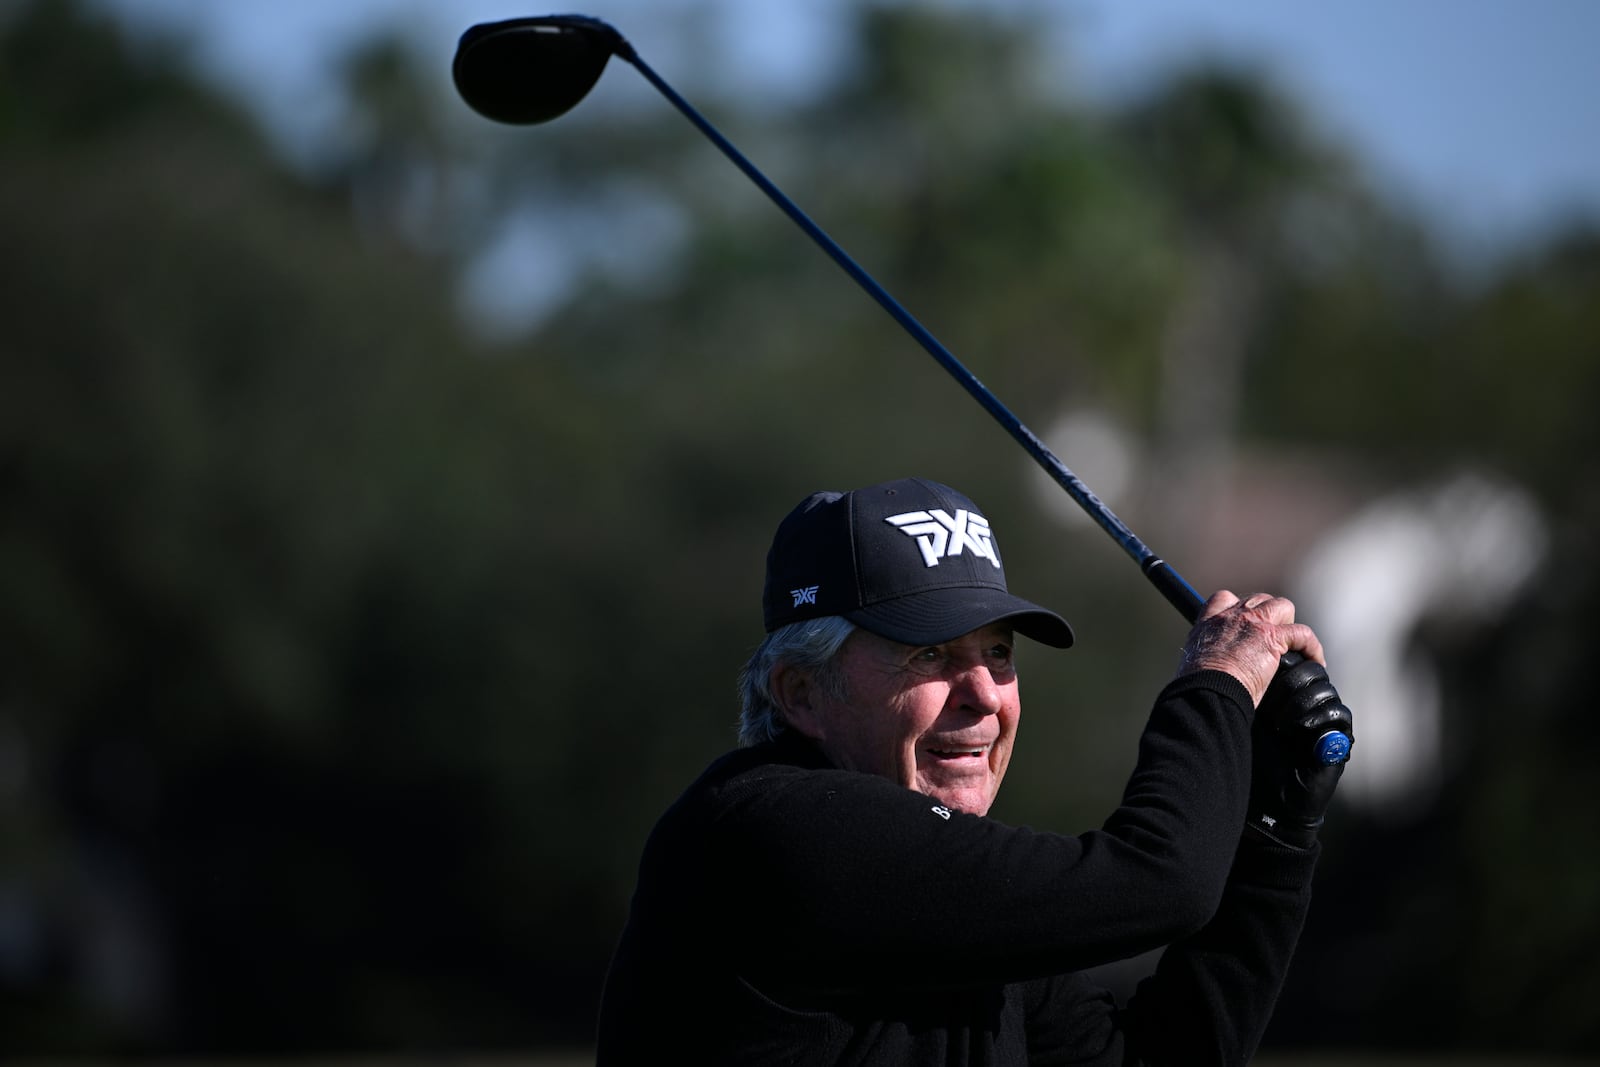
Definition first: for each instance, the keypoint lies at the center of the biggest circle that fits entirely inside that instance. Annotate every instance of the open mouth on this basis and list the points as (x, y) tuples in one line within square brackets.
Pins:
[(959, 753)]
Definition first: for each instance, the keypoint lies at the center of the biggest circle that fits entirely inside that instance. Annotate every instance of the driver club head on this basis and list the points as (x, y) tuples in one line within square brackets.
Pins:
[(529, 70)]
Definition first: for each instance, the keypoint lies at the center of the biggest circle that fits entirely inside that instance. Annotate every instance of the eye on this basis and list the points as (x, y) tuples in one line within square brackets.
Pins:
[(1001, 655)]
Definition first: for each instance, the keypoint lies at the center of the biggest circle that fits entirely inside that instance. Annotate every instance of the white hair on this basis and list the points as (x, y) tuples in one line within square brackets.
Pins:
[(808, 645)]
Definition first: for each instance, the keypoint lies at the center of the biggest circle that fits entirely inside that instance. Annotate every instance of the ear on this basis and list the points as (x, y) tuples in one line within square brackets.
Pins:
[(793, 692)]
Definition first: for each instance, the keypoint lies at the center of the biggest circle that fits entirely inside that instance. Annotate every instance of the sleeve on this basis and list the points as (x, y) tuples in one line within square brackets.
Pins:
[(880, 887), (1071, 1020), (1212, 994)]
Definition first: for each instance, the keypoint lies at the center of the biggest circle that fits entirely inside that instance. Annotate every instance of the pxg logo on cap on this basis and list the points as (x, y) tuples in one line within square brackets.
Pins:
[(910, 560), (941, 534)]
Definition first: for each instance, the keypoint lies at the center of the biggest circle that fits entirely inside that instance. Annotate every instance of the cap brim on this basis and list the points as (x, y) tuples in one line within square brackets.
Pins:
[(934, 616)]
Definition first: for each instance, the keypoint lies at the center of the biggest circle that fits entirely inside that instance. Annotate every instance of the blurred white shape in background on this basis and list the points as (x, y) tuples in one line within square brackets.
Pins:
[(1101, 452), (1455, 552)]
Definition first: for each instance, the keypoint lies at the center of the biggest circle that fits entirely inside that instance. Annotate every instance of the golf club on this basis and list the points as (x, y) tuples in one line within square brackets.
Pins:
[(530, 70)]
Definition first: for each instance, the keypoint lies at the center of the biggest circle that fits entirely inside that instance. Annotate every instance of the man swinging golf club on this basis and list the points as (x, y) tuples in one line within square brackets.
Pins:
[(833, 891)]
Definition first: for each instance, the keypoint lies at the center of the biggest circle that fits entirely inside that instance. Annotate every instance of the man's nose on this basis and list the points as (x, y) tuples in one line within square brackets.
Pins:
[(973, 687)]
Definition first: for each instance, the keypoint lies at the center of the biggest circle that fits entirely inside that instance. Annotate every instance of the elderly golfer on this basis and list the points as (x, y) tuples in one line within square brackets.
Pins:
[(833, 892)]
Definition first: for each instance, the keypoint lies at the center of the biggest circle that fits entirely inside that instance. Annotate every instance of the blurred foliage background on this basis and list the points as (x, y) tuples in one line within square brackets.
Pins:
[(353, 633)]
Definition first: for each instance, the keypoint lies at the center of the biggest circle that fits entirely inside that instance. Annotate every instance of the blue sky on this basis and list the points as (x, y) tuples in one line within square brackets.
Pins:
[(1484, 114)]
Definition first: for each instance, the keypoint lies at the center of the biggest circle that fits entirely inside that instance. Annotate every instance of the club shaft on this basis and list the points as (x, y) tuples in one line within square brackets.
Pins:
[(1332, 747), (1160, 574)]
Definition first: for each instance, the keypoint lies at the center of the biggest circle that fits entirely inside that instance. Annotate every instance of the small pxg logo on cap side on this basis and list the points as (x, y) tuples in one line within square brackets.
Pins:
[(941, 535)]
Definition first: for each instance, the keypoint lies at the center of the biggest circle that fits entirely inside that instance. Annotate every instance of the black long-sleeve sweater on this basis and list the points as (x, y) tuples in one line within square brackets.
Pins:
[(790, 912)]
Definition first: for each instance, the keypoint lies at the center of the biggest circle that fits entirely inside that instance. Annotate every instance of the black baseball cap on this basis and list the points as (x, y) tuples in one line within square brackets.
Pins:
[(910, 560)]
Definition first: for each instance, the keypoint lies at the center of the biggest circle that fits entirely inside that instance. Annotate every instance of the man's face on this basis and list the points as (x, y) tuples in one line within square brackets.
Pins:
[(939, 719)]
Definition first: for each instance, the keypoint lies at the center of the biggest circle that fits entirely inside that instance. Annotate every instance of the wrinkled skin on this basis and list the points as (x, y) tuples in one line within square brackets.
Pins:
[(940, 719), (1246, 638)]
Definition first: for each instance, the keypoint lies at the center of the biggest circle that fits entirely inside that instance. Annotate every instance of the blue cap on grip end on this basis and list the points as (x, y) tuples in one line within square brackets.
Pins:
[(1332, 747)]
